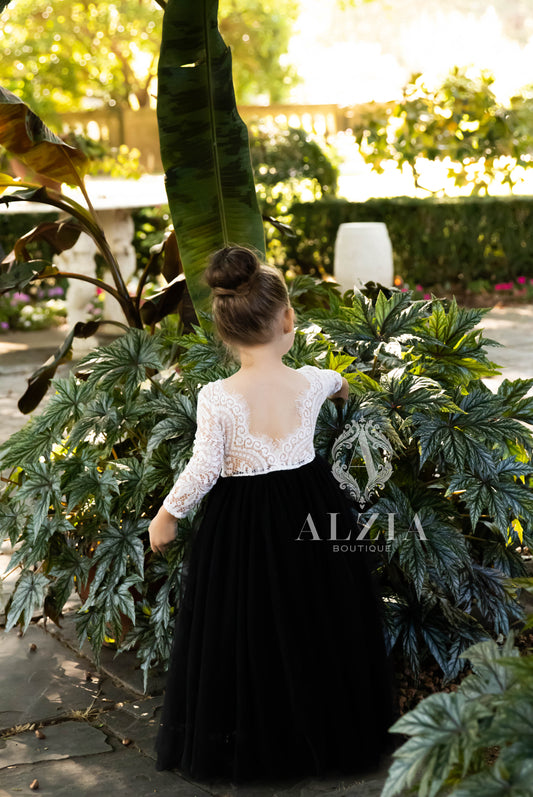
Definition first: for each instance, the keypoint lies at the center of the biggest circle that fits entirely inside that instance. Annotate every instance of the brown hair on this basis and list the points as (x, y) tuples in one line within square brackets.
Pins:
[(247, 295)]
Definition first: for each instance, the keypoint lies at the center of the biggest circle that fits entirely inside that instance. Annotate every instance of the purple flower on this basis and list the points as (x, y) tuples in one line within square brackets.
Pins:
[(19, 297), (57, 291), (4, 325)]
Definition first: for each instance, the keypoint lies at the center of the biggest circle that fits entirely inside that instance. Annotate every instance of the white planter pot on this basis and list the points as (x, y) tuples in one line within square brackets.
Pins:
[(363, 252)]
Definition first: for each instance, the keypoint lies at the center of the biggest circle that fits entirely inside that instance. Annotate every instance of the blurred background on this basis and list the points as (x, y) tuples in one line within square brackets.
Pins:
[(417, 113)]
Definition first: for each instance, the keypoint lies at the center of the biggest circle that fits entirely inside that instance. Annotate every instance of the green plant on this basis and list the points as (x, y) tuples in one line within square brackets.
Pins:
[(452, 737), (18, 312), (461, 121), (289, 165), (93, 468), (117, 162), (53, 162), (205, 151), (461, 467)]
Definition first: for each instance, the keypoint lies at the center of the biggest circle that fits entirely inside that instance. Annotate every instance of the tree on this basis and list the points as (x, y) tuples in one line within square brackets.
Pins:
[(258, 32), (88, 53), (461, 121), (81, 54)]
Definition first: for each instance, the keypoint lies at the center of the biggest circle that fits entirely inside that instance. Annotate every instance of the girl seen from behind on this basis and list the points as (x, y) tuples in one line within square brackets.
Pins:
[(278, 666)]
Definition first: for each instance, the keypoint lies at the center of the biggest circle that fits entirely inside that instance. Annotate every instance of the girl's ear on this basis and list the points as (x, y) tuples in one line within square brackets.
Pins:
[(288, 320)]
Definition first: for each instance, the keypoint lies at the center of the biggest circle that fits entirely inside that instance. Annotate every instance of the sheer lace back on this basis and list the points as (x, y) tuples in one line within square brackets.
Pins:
[(251, 453), (224, 444)]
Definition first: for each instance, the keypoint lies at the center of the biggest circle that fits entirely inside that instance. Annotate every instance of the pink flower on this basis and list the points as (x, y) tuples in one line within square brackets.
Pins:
[(19, 297), (521, 280), (404, 289), (419, 287), (99, 291), (503, 286), (427, 296)]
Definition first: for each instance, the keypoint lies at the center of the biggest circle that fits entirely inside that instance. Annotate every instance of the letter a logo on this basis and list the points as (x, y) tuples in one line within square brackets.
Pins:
[(311, 530)]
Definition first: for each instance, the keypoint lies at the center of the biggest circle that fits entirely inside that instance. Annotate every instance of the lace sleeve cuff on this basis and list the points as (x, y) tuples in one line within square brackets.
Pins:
[(332, 381)]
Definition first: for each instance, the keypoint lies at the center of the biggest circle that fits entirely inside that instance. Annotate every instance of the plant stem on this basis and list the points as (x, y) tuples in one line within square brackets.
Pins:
[(142, 281), (85, 278), (90, 225)]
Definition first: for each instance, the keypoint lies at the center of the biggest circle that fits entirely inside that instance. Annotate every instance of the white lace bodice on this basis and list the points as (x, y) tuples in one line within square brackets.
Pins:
[(224, 445)]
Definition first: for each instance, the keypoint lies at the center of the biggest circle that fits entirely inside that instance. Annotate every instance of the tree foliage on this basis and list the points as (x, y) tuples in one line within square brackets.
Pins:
[(459, 123), (69, 55), (65, 56), (258, 32), (289, 165)]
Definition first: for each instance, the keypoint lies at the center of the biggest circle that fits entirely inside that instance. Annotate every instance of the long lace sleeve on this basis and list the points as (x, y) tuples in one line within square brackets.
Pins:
[(204, 467), (331, 381)]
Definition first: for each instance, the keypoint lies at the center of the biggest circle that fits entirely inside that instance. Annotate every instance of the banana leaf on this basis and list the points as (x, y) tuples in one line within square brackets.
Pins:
[(24, 135), (204, 143)]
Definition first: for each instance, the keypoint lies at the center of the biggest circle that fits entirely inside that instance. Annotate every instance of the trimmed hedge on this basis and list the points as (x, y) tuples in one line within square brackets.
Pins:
[(434, 241)]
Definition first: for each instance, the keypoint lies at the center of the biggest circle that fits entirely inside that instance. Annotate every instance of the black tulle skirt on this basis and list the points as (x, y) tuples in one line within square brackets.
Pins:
[(278, 666)]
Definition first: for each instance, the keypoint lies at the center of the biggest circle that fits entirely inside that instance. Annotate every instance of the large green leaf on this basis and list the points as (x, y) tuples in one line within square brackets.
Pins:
[(24, 135), (204, 142), (28, 595), (39, 381)]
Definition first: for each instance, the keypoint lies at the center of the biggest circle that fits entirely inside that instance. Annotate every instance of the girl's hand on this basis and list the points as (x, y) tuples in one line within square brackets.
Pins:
[(343, 393), (162, 530)]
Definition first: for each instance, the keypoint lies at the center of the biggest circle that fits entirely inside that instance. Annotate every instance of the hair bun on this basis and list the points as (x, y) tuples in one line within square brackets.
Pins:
[(231, 270)]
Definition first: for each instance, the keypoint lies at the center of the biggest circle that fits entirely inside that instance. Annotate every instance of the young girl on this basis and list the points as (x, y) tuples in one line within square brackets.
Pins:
[(278, 667)]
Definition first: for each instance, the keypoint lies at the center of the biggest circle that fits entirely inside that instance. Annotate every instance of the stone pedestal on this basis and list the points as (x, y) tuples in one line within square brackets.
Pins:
[(79, 260), (119, 230)]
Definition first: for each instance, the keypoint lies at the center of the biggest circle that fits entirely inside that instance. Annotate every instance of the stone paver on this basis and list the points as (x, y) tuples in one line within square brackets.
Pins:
[(513, 328), (125, 670), (136, 721), (47, 682), (63, 740), (121, 772)]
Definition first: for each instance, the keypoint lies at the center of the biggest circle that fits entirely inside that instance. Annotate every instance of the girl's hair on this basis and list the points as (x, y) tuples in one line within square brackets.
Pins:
[(247, 295)]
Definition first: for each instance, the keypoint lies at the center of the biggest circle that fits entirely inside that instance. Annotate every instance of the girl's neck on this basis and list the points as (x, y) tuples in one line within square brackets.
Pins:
[(261, 358)]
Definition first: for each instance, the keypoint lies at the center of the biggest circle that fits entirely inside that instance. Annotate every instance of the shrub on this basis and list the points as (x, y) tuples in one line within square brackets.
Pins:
[(434, 241), (454, 735), (288, 165), (93, 468)]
